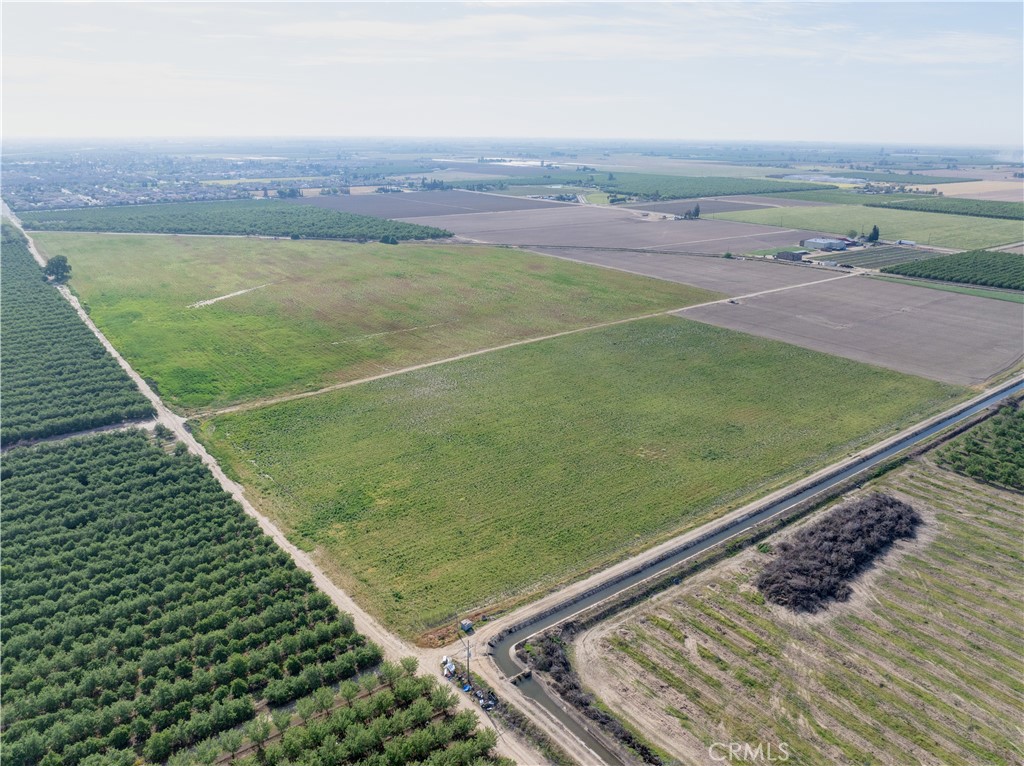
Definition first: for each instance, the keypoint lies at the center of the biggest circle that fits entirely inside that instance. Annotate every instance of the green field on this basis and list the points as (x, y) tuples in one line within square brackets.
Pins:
[(330, 311), (843, 196), (655, 186), (938, 229), (922, 666), (478, 483)]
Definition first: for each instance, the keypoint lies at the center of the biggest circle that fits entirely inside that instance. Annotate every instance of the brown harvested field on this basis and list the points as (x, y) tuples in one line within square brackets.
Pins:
[(949, 337), (731, 204), (420, 204), (728, 276), (1000, 191), (921, 666), (600, 226)]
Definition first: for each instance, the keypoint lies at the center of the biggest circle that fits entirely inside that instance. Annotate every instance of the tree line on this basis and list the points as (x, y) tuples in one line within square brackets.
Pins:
[(57, 377), (977, 267), (993, 451), (262, 218), (144, 611)]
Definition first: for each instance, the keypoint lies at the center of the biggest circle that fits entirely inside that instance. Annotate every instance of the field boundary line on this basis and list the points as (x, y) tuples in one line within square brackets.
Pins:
[(392, 646), (424, 365), (257, 404)]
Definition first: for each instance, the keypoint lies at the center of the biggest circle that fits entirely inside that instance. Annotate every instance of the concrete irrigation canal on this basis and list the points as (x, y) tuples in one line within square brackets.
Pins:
[(503, 648)]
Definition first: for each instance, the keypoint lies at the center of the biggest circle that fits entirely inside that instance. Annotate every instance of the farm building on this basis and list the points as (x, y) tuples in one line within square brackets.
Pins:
[(823, 243), (789, 255)]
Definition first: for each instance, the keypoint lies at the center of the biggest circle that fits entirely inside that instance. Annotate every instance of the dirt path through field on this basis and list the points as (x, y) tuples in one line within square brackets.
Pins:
[(211, 301), (266, 402), (393, 647)]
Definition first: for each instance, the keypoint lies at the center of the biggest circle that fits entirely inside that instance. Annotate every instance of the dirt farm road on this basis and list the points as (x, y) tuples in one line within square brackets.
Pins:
[(393, 647), (266, 402)]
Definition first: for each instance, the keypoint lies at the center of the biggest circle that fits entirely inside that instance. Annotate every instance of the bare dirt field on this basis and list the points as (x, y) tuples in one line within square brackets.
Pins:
[(731, 204), (944, 336), (593, 226), (419, 204), (919, 666), (731, 277), (1000, 191)]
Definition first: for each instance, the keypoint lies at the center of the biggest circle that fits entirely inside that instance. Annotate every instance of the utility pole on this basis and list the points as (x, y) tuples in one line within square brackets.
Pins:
[(465, 642)]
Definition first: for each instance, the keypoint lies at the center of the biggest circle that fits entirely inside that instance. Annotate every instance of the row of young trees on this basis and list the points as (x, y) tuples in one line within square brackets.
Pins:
[(992, 451), (57, 377), (981, 208), (977, 267), (265, 218), (391, 718), (142, 605)]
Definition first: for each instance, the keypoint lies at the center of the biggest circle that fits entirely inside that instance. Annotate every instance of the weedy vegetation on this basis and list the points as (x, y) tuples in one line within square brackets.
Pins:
[(479, 483), (328, 312)]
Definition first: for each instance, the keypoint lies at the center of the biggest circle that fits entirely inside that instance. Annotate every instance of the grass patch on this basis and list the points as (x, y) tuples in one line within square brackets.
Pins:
[(939, 229), (484, 481), (329, 311)]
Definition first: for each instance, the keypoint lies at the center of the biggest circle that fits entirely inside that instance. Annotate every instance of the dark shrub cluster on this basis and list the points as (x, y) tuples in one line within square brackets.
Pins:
[(816, 566), (547, 655)]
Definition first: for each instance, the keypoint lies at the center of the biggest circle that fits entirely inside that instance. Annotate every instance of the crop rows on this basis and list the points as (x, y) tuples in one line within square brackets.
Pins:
[(390, 718), (554, 457), (660, 187), (143, 611), (976, 207), (925, 668), (978, 267), (877, 257), (57, 377), (993, 451), (243, 218)]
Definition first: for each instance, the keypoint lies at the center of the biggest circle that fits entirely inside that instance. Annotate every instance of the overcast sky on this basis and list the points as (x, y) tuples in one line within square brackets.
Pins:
[(866, 72)]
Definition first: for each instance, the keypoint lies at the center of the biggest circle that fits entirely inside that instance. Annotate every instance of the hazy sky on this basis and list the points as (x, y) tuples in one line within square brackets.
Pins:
[(868, 72)]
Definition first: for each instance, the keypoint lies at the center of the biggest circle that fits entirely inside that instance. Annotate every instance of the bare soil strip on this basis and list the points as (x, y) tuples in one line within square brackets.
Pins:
[(211, 301)]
